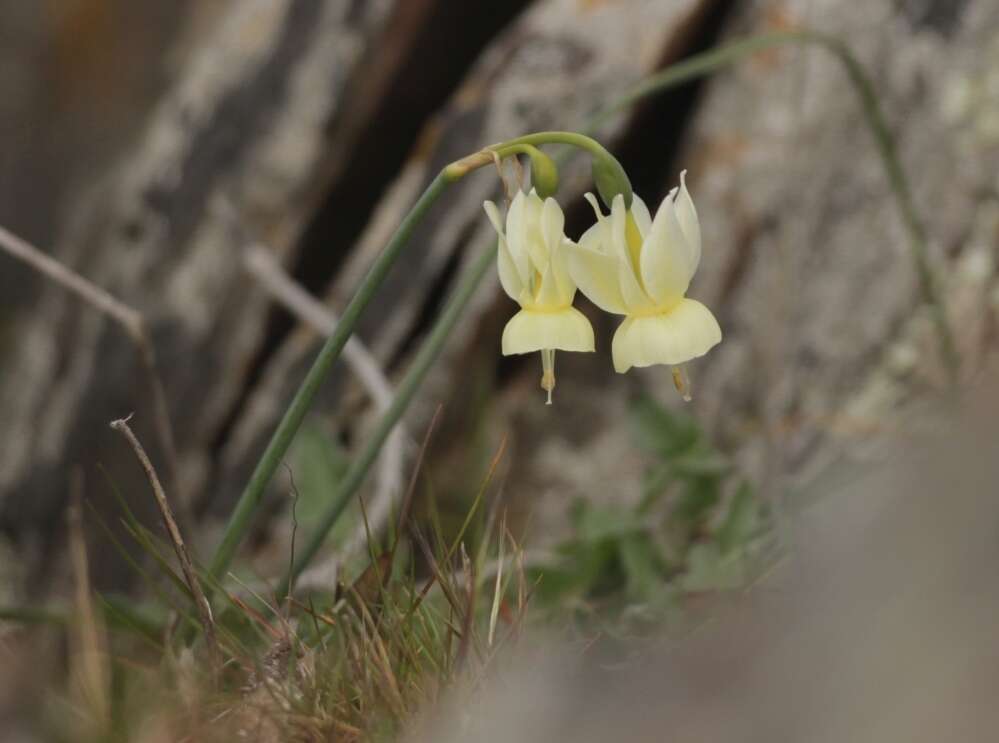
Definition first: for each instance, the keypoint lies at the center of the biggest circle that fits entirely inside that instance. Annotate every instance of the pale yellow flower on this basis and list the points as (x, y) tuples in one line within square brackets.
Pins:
[(630, 264), (534, 272)]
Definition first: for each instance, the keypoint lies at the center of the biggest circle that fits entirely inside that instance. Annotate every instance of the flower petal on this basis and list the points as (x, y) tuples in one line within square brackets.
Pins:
[(560, 269), (635, 297), (552, 224), (565, 330), (596, 275), (509, 278), (687, 331), (595, 204), (493, 213), (597, 237), (641, 214), (516, 234), (533, 230), (687, 216), (553, 228), (666, 257)]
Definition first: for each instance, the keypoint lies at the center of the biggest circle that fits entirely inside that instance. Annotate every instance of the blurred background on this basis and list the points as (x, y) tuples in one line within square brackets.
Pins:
[(155, 147)]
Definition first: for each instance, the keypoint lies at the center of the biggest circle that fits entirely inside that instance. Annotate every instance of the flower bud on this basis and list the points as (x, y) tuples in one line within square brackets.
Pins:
[(544, 172)]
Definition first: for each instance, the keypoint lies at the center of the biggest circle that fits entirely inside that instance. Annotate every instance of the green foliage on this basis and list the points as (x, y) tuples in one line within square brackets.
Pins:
[(698, 527), (318, 463)]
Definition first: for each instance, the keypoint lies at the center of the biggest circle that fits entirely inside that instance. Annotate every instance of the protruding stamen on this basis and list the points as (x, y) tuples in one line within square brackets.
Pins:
[(548, 372), (682, 382)]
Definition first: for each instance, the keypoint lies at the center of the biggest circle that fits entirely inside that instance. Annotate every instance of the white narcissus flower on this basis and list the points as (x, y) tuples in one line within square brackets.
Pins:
[(630, 264), (534, 272)]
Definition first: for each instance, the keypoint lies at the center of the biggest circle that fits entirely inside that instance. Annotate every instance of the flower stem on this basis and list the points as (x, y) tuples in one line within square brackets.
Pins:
[(544, 171), (608, 173), (354, 478), (249, 502)]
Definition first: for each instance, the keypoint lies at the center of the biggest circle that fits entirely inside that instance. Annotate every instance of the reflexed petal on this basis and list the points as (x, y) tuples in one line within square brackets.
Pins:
[(515, 216), (596, 275), (596, 238), (516, 234), (618, 229), (641, 213), (687, 216), (684, 333), (493, 213), (666, 258), (513, 285), (630, 285), (686, 250), (560, 269), (512, 281), (534, 236), (592, 201), (565, 330), (553, 231), (552, 224)]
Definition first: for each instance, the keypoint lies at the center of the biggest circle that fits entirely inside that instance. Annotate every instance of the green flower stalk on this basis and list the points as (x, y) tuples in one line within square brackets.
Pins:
[(249, 502)]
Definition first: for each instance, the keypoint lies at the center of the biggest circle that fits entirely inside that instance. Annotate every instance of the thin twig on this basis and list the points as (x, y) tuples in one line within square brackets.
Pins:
[(204, 610), (262, 265), (128, 318), (92, 294)]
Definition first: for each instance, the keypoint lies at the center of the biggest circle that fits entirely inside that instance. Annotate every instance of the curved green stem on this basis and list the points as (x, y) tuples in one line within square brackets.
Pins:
[(608, 173), (544, 171), (505, 150), (575, 139), (711, 61), (354, 478), (249, 502)]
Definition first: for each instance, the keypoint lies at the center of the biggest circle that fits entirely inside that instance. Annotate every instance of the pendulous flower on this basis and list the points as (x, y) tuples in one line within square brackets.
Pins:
[(630, 264), (534, 271)]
